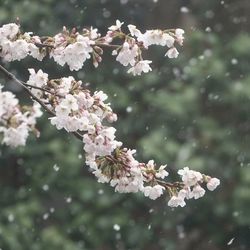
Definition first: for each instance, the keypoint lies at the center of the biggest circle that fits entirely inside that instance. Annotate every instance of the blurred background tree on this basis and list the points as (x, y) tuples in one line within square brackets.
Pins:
[(190, 111)]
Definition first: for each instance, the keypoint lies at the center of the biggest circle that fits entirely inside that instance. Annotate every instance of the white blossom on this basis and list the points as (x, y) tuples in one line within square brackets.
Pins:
[(134, 31), (37, 79), (141, 66), (127, 54), (15, 136), (15, 50), (65, 86), (75, 48), (70, 102), (117, 26), (156, 37), (198, 192), (162, 173), (74, 54), (179, 35), (76, 110), (16, 124), (101, 177), (190, 177), (172, 53), (35, 52), (9, 31), (153, 192), (176, 201), (93, 33), (213, 183)]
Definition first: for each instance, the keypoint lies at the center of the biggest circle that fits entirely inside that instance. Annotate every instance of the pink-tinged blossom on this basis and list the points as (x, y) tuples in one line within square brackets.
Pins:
[(150, 165), (172, 53), (37, 79), (153, 192), (8, 103), (179, 199), (156, 37), (176, 201), (70, 102), (34, 51), (134, 31), (74, 48), (198, 192), (9, 31), (179, 35), (127, 54), (85, 101), (16, 50), (100, 95), (65, 86), (141, 66), (16, 124), (108, 37), (162, 173), (14, 137), (74, 54), (128, 184), (190, 177), (93, 33), (117, 26), (77, 110), (213, 183), (186, 193), (100, 176), (101, 143), (183, 193)]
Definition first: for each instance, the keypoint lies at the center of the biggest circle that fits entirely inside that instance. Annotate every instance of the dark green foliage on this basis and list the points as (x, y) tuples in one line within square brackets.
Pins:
[(192, 111)]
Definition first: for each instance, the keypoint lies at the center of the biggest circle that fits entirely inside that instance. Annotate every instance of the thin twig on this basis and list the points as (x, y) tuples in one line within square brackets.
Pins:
[(107, 45), (170, 185), (42, 89), (13, 77), (41, 45)]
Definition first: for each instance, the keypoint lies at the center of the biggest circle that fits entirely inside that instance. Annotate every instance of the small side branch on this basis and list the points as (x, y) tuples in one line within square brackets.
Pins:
[(26, 88)]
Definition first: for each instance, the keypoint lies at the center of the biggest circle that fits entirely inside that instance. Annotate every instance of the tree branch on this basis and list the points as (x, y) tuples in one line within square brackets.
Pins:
[(21, 83), (42, 89)]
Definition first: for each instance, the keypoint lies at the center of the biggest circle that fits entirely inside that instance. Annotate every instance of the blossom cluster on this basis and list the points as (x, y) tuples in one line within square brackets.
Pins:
[(74, 48), (16, 45), (76, 110), (89, 116), (192, 188), (16, 121)]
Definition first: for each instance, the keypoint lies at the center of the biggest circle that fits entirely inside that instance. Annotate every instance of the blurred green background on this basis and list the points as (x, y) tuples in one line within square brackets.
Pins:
[(190, 111)]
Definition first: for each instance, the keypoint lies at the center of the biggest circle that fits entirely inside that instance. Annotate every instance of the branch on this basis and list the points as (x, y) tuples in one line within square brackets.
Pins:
[(116, 165), (25, 86), (41, 45), (42, 89)]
